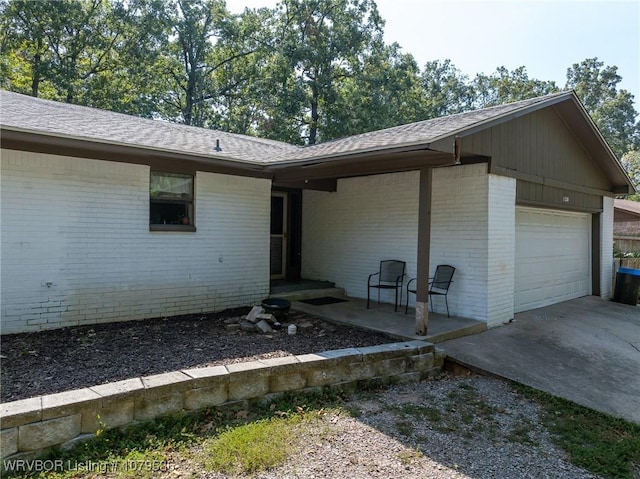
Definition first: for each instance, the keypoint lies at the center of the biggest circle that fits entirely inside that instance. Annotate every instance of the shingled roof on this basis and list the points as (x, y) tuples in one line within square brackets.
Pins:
[(421, 133), (45, 117), (51, 121)]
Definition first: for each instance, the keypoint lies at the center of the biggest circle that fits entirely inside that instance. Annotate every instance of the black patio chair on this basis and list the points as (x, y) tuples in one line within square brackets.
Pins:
[(438, 285), (390, 276)]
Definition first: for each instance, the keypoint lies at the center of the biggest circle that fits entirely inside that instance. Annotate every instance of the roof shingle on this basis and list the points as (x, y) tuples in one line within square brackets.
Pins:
[(25, 113)]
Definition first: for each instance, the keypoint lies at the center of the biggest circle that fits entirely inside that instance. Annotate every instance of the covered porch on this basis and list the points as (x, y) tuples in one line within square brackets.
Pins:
[(379, 317), (335, 223)]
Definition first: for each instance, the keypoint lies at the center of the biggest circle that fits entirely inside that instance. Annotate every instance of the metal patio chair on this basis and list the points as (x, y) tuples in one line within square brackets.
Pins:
[(438, 285), (390, 276)]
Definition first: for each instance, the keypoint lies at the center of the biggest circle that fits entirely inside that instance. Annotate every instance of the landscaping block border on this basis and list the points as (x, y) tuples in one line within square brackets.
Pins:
[(31, 427)]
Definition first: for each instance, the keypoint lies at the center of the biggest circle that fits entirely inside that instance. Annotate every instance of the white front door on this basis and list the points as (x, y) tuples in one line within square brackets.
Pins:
[(278, 235), (553, 257)]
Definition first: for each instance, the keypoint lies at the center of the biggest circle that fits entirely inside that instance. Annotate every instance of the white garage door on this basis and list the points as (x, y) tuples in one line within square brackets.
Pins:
[(553, 257)]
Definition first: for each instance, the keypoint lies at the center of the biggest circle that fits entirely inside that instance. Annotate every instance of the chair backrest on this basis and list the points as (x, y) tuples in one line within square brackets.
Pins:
[(442, 278), (390, 270)]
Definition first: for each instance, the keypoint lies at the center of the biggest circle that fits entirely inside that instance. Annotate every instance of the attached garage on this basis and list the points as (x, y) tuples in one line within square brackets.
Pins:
[(553, 257)]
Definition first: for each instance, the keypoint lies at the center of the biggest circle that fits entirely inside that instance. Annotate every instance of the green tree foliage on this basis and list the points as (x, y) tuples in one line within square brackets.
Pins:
[(65, 43), (195, 28), (506, 86), (446, 89), (303, 72), (611, 109), (321, 44), (631, 163), (394, 95)]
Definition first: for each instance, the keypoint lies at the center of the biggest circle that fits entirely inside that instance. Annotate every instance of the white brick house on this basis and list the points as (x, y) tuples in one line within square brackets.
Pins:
[(106, 217)]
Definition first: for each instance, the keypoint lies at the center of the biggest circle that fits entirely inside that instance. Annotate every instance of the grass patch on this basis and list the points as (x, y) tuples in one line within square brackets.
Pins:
[(152, 446), (602, 444), (254, 447)]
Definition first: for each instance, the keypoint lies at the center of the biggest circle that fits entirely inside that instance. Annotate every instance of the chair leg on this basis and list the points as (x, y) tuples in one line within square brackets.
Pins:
[(406, 308), (395, 306), (368, 295), (447, 303)]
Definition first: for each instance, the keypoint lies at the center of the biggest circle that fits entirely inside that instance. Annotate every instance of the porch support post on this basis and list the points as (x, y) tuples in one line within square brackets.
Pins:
[(424, 249)]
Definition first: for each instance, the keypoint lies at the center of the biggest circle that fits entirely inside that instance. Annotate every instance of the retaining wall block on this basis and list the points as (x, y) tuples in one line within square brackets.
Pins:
[(68, 403), (353, 354), (391, 367), (201, 398), (307, 362), (248, 380), (115, 412), (8, 442), (146, 409), (17, 413), (129, 389), (423, 347), (391, 350), (283, 365), (440, 356), (324, 376), (166, 384), (211, 376), (48, 433), (286, 382), (359, 370), (421, 362)]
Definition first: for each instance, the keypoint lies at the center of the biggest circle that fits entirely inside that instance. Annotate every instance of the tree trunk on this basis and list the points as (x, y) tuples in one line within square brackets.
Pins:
[(35, 80), (313, 127)]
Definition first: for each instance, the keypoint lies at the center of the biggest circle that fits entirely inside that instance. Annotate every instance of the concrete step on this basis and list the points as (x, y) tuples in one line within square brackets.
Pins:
[(310, 293)]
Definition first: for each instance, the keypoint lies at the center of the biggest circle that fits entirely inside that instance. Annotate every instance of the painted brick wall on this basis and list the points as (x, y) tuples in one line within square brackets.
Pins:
[(501, 249), (346, 234), (76, 246), (460, 236), (606, 243)]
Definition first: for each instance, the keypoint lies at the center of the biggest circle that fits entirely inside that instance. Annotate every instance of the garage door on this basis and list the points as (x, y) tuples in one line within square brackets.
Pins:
[(553, 257)]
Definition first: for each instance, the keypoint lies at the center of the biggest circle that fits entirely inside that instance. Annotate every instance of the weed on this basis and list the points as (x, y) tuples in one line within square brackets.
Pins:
[(408, 456)]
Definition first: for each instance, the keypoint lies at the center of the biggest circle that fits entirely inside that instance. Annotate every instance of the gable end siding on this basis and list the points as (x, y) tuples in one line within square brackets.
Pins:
[(539, 148)]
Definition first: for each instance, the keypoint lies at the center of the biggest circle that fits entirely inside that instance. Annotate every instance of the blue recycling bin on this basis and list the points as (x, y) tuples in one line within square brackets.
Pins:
[(627, 286)]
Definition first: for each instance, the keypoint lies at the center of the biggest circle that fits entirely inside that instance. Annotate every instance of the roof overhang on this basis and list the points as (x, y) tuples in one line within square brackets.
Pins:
[(580, 123), (309, 174), (156, 158)]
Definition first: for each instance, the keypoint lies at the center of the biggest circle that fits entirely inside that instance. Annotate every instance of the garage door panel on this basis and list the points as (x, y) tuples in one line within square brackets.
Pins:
[(553, 254)]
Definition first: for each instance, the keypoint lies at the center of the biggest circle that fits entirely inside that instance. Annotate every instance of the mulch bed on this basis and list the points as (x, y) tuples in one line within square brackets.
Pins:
[(48, 362)]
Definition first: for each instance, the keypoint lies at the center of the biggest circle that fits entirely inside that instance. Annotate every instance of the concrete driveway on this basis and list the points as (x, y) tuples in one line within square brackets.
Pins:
[(586, 350)]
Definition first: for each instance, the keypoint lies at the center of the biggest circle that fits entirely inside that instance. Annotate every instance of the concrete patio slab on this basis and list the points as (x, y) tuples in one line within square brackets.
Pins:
[(382, 318), (586, 350)]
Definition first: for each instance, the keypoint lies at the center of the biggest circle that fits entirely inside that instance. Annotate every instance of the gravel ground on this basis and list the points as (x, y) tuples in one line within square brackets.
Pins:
[(59, 360), (452, 428)]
